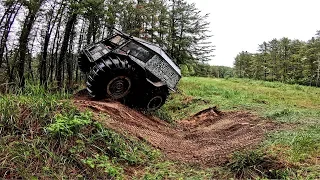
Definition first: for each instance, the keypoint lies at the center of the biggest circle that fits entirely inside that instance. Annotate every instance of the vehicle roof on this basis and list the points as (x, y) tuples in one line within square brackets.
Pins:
[(157, 50)]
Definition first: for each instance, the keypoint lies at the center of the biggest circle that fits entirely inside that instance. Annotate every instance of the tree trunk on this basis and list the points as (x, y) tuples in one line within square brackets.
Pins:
[(318, 71), (29, 59), (23, 42), (7, 28), (79, 49), (64, 47), (43, 62), (54, 51), (173, 28), (7, 11), (70, 61), (89, 33)]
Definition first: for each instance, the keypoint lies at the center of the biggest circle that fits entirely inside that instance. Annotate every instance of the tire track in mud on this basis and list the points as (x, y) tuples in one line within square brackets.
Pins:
[(207, 138)]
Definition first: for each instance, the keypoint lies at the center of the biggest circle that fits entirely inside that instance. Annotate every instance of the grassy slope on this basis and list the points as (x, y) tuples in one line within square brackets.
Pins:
[(295, 106), (36, 142), (43, 136)]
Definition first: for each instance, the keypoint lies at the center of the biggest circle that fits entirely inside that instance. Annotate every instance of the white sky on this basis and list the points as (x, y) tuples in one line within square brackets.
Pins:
[(240, 25)]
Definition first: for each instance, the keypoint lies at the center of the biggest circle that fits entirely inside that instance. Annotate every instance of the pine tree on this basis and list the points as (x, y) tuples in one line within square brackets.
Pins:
[(188, 33)]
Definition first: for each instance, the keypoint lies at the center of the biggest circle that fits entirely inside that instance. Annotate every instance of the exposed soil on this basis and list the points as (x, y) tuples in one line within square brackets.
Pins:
[(207, 138)]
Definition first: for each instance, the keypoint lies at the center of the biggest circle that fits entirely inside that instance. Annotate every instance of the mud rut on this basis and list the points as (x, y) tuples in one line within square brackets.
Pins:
[(207, 138)]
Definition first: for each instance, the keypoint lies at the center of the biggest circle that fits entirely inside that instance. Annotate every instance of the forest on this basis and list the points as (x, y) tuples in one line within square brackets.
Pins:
[(41, 39), (284, 60)]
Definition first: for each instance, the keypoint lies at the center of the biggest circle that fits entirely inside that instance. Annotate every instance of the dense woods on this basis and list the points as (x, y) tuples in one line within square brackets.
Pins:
[(40, 39), (285, 60)]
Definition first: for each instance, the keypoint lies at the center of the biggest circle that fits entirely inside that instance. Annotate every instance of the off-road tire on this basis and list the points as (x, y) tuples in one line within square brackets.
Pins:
[(84, 63), (110, 78), (155, 98)]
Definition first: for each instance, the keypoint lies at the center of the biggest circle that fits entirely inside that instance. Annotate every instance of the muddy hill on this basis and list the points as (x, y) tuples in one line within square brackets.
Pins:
[(207, 138)]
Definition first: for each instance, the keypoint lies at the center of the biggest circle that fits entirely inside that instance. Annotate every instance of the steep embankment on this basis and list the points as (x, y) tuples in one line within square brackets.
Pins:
[(206, 138)]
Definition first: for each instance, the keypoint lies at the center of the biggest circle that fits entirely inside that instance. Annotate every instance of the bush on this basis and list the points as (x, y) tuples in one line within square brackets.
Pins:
[(67, 126)]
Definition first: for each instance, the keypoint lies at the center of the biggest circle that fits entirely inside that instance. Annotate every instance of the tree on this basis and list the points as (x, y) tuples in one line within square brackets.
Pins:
[(188, 34), (74, 7), (244, 65), (51, 18), (9, 16), (274, 55), (262, 60), (33, 7), (93, 11)]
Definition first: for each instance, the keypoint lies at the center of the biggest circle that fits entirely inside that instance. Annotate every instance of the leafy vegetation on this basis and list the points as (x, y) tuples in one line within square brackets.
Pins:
[(67, 126)]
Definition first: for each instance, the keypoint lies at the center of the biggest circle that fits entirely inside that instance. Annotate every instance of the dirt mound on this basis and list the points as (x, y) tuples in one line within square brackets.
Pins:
[(206, 138)]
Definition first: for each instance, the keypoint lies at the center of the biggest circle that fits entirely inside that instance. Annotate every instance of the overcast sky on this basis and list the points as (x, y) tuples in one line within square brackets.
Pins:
[(240, 25)]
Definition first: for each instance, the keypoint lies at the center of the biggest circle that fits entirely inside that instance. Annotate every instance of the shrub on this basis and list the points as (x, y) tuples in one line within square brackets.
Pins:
[(69, 125)]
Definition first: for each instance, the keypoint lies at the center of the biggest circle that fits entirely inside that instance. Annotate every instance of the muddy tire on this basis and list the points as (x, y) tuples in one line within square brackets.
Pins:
[(155, 98), (84, 63), (110, 78)]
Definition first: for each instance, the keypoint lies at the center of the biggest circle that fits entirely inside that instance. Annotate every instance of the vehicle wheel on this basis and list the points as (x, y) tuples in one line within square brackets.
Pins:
[(84, 63), (110, 78), (155, 99)]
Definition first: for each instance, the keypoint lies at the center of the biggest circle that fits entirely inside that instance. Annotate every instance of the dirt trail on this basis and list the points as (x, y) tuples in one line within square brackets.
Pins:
[(207, 138)]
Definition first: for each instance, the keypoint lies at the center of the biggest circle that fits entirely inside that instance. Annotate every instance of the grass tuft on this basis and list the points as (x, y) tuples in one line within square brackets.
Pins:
[(254, 164)]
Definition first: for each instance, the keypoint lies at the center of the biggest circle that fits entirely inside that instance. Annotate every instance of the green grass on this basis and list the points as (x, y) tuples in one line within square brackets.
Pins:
[(296, 107), (42, 135), (286, 103)]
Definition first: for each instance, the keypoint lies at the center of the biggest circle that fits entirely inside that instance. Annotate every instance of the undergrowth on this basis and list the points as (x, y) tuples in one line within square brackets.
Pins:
[(43, 136)]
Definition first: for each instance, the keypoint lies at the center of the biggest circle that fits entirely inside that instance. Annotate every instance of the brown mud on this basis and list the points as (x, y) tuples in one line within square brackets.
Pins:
[(207, 138)]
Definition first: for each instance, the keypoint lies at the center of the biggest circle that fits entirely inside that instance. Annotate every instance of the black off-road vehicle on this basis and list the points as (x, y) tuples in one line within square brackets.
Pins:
[(129, 69)]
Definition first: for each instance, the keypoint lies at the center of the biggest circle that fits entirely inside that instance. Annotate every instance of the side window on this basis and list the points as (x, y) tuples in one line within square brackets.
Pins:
[(138, 51)]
